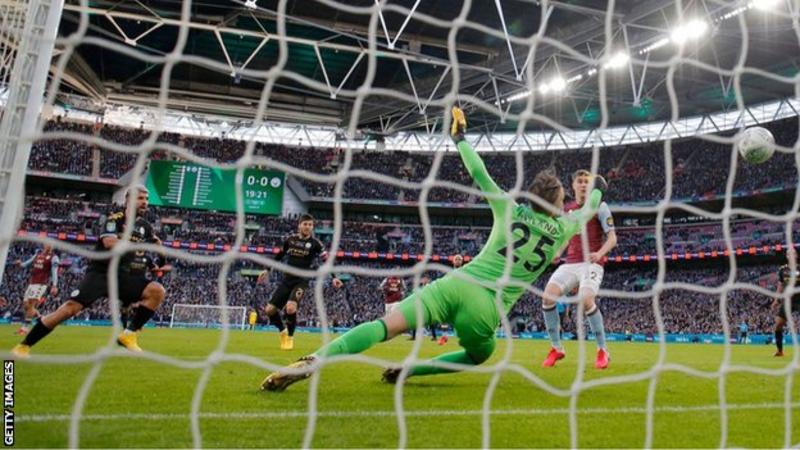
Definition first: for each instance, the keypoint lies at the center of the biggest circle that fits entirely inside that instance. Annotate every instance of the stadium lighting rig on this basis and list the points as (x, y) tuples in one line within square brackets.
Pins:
[(555, 85), (617, 60), (764, 5), (690, 30)]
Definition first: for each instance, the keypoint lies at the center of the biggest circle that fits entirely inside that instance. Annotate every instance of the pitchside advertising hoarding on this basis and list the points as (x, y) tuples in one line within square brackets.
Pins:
[(187, 185)]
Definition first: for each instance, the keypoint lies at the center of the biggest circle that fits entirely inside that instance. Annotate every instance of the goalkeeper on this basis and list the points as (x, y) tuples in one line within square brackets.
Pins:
[(535, 236)]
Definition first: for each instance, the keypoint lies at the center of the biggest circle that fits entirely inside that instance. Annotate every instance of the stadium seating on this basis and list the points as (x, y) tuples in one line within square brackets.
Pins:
[(360, 299), (61, 215), (636, 174), (700, 167)]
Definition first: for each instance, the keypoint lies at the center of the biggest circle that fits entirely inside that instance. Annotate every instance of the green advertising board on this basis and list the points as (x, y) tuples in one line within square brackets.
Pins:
[(187, 185)]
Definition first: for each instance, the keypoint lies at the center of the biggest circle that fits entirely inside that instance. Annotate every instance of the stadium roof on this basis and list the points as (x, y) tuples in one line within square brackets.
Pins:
[(231, 45)]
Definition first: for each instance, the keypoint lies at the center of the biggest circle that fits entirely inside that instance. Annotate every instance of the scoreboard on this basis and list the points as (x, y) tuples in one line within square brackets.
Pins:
[(188, 185)]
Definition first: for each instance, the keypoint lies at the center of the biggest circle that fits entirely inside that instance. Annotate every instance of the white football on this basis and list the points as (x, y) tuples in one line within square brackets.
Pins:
[(756, 145)]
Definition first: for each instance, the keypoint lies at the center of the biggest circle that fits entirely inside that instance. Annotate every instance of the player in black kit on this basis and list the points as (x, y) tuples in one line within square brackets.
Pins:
[(784, 278), (301, 250), (135, 290)]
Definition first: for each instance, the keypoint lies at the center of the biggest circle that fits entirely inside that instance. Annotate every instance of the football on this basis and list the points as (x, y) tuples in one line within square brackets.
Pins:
[(756, 145)]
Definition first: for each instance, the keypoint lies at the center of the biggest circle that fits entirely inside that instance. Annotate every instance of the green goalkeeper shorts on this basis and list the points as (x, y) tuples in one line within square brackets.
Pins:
[(470, 308)]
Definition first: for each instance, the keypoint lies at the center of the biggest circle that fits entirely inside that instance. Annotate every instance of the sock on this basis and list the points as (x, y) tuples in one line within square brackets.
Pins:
[(275, 319), (140, 317), (356, 340), (459, 357), (552, 323), (37, 333), (291, 323), (433, 332), (779, 339), (596, 324)]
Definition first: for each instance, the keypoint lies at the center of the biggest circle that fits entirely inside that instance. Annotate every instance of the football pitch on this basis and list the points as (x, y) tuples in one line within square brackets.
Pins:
[(144, 403)]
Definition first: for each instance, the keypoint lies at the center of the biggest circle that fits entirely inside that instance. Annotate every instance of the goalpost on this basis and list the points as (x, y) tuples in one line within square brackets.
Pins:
[(27, 37), (207, 316)]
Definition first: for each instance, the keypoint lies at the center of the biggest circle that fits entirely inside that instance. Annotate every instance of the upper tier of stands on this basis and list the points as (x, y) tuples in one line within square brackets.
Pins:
[(700, 168)]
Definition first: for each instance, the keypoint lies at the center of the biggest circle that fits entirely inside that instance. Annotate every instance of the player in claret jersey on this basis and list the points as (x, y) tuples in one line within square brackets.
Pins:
[(466, 297), (44, 273), (585, 273), (394, 289)]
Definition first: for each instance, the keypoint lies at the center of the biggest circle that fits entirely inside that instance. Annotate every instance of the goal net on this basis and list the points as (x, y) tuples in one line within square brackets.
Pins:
[(345, 108), (207, 316)]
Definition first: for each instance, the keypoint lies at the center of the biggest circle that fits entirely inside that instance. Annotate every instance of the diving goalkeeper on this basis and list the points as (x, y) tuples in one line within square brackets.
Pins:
[(457, 298)]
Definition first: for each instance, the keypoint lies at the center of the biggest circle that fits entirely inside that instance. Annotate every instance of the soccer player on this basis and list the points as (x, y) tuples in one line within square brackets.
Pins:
[(301, 249), (158, 267), (466, 297), (458, 261), (252, 317), (423, 281), (584, 273), (135, 289), (394, 289), (562, 308), (784, 278), (743, 329), (44, 272)]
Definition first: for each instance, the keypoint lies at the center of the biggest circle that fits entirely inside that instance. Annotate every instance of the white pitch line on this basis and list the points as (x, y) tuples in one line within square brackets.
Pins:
[(425, 413)]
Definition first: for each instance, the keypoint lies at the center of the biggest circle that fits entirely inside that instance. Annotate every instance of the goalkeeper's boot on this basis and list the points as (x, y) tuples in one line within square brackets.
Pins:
[(778, 353), (391, 374), (289, 344), (443, 339), (21, 351), (602, 359), (129, 340), (280, 380), (553, 356), (22, 331), (459, 125), (284, 338)]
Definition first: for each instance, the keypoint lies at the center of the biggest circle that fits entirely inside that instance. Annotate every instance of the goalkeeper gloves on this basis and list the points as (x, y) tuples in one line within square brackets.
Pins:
[(458, 126)]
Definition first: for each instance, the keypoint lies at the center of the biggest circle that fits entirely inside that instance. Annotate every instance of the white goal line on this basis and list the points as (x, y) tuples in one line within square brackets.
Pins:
[(677, 409)]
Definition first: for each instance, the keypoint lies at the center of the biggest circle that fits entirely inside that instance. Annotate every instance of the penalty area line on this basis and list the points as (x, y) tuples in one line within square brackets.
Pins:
[(425, 413)]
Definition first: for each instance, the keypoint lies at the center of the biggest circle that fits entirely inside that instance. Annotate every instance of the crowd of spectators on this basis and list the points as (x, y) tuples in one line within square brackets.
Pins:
[(62, 155), (69, 215), (682, 310), (700, 168)]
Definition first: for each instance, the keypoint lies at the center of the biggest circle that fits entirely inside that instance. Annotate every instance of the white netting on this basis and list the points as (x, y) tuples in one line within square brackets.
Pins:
[(436, 106), (12, 16), (207, 316)]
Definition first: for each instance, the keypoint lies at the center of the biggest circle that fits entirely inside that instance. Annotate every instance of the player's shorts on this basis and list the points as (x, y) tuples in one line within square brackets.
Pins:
[(95, 286), (289, 290), (36, 291), (465, 305), (389, 307), (583, 275), (795, 306)]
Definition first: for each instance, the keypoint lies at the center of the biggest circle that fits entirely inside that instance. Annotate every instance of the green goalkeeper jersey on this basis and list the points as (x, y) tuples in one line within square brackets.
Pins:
[(534, 238)]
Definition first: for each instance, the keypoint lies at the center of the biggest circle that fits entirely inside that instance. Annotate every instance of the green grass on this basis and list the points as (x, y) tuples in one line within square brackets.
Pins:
[(136, 403)]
